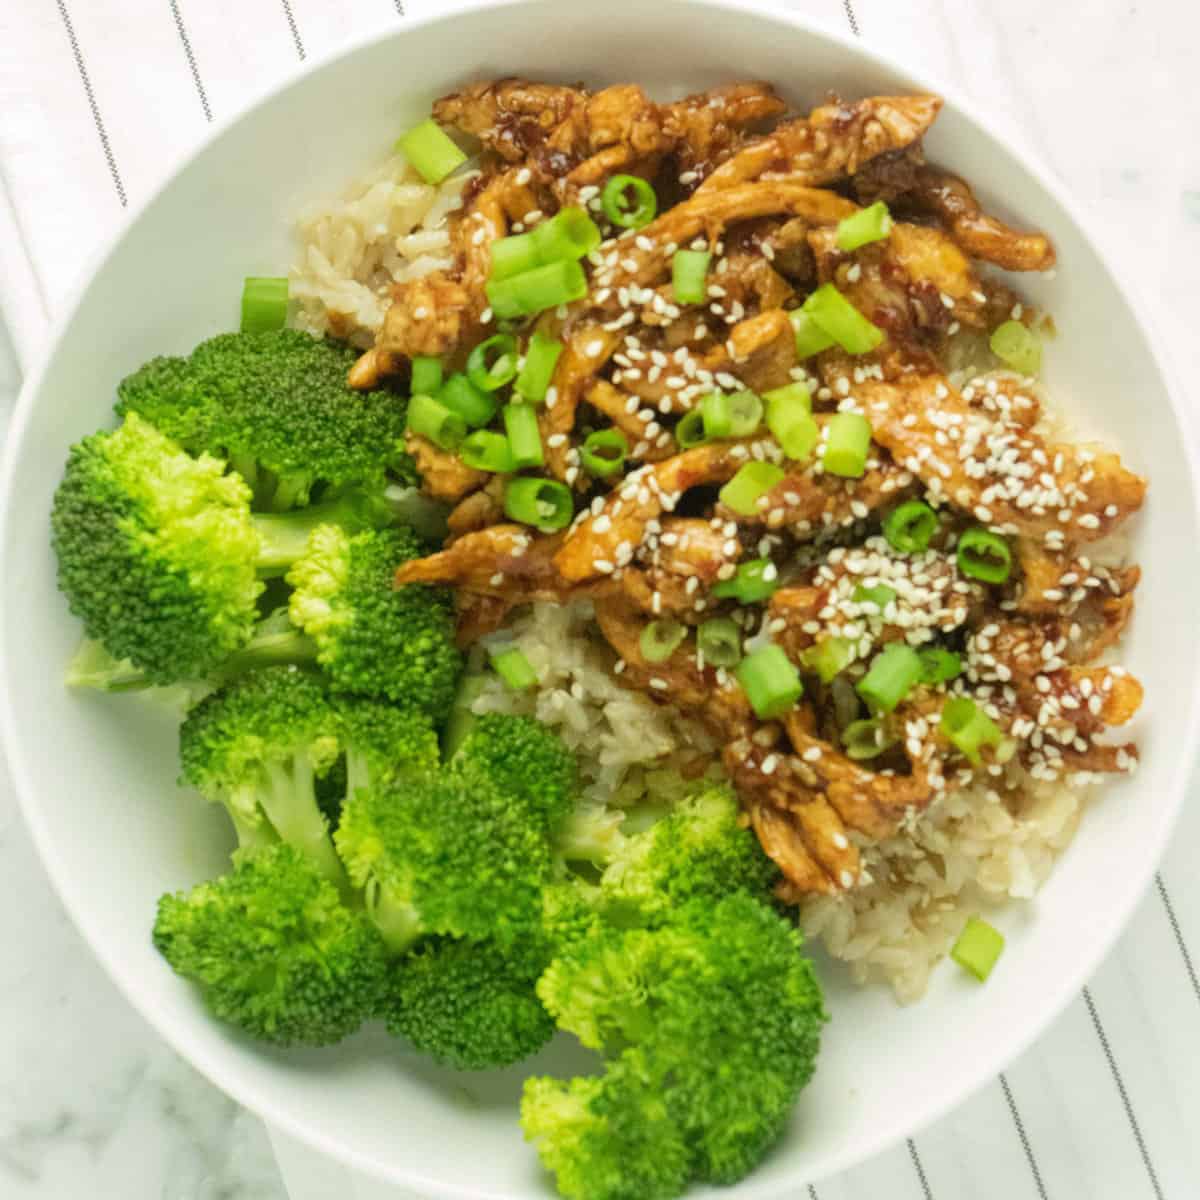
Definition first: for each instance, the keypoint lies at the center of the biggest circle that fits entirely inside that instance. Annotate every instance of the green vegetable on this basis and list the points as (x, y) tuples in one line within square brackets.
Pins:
[(770, 681), (865, 739), (829, 657), (430, 418), (753, 582), (978, 948), (373, 638), (160, 557), (810, 337), (1018, 346), (753, 481), (541, 357), (938, 665), (710, 1023), (871, 224), (570, 233), (544, 503), (524, 436), (264, 304), (720, 641), (836, 317), (970, 729), (629, 201), (688, 271), (893, 673), (427, 376), (514, 668), (790, 419), (848, 445), (469, 1005), (277, 407), (537, 290), (493, 363), (880, 596), (274, 951), (486, 450), (430, 151), (660, 639), (909, 527), (984, 555), (603, 452), (473, 404)]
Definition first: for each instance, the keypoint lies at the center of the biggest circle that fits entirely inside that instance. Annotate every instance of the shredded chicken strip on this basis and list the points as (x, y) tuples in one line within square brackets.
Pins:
[(587, 351), (444, 476), (980, 235), (1005, 474), (615, 404), (831, 142)]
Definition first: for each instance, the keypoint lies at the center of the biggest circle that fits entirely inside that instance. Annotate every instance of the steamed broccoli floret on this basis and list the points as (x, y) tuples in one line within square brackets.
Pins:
[(699, 848), (471, 1005), (381, 741), (278, 406), (609, 1138), (445, 852), (526, 759), (712, 1014), (372, 637), (274, 950), (258, 745), (160, 557)]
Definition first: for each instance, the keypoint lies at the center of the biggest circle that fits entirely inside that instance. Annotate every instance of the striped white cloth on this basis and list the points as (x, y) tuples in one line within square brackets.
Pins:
[(98, 97)]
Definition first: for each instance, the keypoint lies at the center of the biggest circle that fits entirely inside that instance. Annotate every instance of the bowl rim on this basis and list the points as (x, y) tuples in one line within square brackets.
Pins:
[(985, 1066)]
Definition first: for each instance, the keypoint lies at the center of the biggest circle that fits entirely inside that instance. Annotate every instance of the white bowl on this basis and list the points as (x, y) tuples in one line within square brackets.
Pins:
[(96, 775)]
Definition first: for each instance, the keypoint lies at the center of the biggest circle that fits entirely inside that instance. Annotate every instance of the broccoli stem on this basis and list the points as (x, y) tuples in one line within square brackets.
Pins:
[(290, 802), (251, 835), (284, 535), (462, 718), (591, 834), (397, 922), (93, 667)]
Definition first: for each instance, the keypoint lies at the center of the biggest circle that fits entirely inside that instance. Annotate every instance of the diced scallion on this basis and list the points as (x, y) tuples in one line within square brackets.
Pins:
[(545, 504), (570, 233), (717, 415), (810, 337), (745, 413), (461, 396), (430, 151), (752, 583), (719, 639), (790, 419), (493, 363), (984, 555), (893, 673), (865, 739), (1017, 346), (868, 225), (690, 430), (847, 445), (978, 948), (629, 201), (485, 450), (541, 357), (431, 419), (660, 639), (969, 729), (770, 681), (535, 291), (752, 481), (939, 665), (426, 376), (829, 657), (689, 270), (603, 452), (841, 321), (880, 595), (909, 527), (514, 668), (524, 436), (264, 304)]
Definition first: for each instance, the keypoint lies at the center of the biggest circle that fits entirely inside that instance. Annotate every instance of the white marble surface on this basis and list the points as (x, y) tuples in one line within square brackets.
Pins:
[(93, 1104)]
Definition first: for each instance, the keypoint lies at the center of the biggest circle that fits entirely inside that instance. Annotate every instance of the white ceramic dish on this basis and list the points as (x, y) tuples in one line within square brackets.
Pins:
[(96, 775)]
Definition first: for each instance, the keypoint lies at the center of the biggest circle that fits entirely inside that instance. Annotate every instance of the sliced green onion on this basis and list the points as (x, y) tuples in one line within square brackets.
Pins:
[(717, 413), (978, 948), (264, 304), (829, 657), (752, 481), (810, 337), (537, 290), (770, 681), (689, 432), (493, 363), (433, 420), (514, 668), (570, 233), (474, 405), (629, 202), (868, 225), (433, 154), (865, 739), (426, 376), (969, 729), (487, 451), (847, 446), (984, 555), (524, 436), (689, 271), (603, 452), (752, 583), (541, 357), (880, 596), (513, 256), (939, 665), (746, 413), (789, 418), (543, 503), (909, 527), (842, 321), (893, 673), (1018, 346), (660, 639), (720, 641)]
